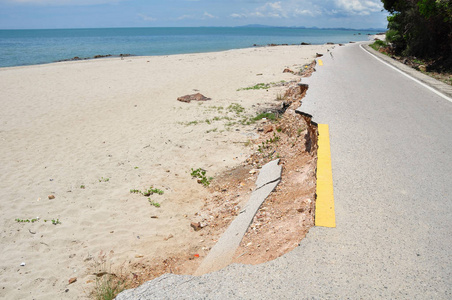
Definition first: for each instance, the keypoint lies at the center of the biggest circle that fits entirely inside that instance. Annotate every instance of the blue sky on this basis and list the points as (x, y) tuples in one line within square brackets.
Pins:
[(36, 14)]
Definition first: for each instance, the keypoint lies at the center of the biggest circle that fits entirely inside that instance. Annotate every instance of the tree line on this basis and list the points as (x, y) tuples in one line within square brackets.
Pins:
[(421, 28)]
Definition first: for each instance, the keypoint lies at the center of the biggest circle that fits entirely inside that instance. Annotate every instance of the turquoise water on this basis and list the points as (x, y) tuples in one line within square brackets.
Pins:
[(28, 47)]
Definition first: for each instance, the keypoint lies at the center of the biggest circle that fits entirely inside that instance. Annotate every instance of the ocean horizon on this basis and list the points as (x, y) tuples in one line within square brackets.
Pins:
[(21, 47)]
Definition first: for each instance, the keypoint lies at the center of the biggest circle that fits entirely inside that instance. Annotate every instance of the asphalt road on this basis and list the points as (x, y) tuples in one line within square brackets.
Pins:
[(391, 147)]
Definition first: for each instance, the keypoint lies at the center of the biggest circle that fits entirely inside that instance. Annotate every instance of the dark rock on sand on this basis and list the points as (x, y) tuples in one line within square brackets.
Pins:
[(193, 97)]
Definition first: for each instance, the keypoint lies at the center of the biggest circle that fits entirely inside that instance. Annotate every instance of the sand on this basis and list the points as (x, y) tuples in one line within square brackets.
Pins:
[(88, 132)]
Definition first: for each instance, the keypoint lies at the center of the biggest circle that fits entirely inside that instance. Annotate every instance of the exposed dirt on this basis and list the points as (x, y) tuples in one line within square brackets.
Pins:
[(282, 221)]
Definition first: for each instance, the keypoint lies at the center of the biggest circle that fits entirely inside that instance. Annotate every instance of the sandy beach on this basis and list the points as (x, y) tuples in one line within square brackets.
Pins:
[(88, 132)]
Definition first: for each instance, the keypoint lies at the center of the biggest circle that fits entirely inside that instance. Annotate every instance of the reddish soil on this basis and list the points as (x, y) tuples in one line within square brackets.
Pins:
[(282, 221)]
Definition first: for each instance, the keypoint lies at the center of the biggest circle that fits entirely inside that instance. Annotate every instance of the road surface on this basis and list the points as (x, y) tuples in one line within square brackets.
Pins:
[(391, 148)]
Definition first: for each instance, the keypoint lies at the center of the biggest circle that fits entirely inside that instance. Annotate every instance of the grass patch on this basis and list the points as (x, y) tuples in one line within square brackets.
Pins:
[(151, 202), (108, 287), (26, 220), (236, 108), (259, 86), (212, 130), (269, 116), (148, 192), (200, 174), (262, 86)]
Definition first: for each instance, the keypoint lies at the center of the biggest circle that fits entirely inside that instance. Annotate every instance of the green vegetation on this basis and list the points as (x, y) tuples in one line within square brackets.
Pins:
[(104, 179), (378, 44), (212, 130), (148, 192), (236, 108), (82, 186), (274, 139), (108, 287), (56, 222), (262, 86), (259, 86), (421, 28), (156, 204), (201, 175), (267, 115), (26, 220)]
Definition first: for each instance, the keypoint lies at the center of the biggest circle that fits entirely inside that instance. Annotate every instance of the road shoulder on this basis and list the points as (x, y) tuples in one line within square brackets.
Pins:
[(432, 82)]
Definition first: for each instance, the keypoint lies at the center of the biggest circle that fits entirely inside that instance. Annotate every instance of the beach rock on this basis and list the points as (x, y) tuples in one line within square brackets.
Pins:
[(193, 97), (168, 237), (288, 71), (72, 280), (51, 197), (196, 226), (305, 44), (268, 128), (318, 55)]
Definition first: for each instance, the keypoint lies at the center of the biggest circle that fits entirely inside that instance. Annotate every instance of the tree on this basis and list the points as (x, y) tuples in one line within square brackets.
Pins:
[(421, 28)]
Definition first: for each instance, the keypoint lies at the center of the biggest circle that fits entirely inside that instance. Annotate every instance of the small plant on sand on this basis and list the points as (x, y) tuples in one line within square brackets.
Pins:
[(151, 202), (201, 175), (273, 140), (27, 220), (262, 147), (212, 130), (267, 115), (148, 192), (108, 284), (259, 86), (82, 186), (279, 97), (236, 108), (108, 287), (56, 222), (104, 179)]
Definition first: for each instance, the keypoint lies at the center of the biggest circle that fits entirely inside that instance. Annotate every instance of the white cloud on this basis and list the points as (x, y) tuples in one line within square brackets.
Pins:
[(185, 17), (310, 8), (209, 16), (238, 16), (147, 18), (268, 10), (359, 7), (204, 16), (305, 12)]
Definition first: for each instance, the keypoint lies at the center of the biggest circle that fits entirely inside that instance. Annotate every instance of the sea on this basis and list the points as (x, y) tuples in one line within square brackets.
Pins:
[(40, 46)]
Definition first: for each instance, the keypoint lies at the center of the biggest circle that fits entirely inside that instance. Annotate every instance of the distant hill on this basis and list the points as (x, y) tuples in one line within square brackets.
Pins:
[(314, 27)]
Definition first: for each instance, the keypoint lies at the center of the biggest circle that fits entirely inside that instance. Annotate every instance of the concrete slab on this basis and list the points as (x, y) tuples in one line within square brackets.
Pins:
[(222, 253), (269, 172)]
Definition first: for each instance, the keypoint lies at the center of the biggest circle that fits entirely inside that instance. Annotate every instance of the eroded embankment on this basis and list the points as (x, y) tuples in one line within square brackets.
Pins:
[(286, 215)]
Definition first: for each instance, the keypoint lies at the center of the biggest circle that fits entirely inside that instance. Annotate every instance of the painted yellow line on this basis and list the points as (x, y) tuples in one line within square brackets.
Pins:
[(324, 205), (320, 62)]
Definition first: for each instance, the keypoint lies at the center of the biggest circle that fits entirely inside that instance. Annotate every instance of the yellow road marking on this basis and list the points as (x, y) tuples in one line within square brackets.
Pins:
[(324, 205), (320, 62)]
